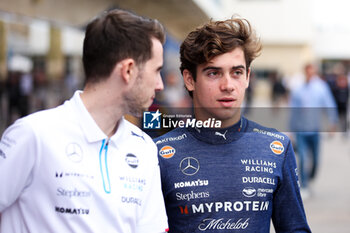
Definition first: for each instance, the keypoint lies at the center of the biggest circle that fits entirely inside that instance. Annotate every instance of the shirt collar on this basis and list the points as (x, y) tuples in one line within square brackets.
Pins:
[(221, 135)]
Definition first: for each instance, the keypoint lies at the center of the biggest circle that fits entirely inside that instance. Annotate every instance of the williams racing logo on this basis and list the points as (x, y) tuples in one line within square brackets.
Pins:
[(277, 147)]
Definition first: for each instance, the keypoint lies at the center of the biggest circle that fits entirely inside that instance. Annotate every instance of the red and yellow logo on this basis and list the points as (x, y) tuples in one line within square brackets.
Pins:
[(167, 152), (277, 147)]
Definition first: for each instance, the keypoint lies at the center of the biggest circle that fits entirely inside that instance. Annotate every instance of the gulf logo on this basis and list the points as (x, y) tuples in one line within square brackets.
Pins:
[(277, 147), (167, 152)]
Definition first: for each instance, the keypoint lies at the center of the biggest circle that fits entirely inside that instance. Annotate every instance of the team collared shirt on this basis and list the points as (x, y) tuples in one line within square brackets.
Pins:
[(230, 180), (60, 173)]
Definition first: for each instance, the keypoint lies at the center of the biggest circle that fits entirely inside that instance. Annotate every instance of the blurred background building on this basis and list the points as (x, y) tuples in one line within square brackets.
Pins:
[(43, 39)]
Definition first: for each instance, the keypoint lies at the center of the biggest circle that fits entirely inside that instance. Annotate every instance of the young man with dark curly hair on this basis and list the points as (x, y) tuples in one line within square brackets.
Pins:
[(237, 177)]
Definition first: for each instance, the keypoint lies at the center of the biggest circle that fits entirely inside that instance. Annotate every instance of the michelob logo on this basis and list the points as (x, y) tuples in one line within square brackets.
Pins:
[(167, 152), (277, 147)]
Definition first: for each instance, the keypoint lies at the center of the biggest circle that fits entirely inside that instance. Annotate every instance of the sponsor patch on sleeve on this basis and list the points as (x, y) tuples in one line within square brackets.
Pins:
[(167, 152), (277, 147)]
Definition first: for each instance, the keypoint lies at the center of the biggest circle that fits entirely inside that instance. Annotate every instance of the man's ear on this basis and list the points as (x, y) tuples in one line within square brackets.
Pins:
[(188, 80), (127, 69)]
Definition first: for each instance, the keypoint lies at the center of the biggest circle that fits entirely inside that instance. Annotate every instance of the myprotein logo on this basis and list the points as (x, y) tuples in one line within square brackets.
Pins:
[(167, 152), (277, 147), (227, 206)]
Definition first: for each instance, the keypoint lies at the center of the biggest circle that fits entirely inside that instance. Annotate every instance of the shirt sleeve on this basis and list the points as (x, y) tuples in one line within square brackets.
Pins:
[(153, 217), (288, 212), (18, 151)]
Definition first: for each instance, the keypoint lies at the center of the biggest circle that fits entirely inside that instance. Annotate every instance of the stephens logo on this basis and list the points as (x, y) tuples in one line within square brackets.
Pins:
[(167, 152), (277, 147)]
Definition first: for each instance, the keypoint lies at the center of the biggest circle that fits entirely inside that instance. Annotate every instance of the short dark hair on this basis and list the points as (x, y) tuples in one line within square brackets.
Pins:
[(117, 35), (216, 38)]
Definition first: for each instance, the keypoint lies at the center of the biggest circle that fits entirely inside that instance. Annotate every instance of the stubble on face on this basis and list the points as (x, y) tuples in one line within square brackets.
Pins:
[(133, 98)]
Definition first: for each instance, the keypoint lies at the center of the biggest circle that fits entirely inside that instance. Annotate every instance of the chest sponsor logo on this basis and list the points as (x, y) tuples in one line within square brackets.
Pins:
[(258, 180), (131, 200), (277, 147), (249, 192), (132, 160), (193, 183), (167, 152), (264, 192), (227, 206), (72, 193), (72, 211), (133, 183), (189, 166), (191, 196), (256, 165), (74, 152), (73, 174), (222, 224)]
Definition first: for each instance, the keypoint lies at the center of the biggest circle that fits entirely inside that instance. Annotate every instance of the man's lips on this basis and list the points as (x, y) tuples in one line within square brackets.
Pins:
[(227, 101)]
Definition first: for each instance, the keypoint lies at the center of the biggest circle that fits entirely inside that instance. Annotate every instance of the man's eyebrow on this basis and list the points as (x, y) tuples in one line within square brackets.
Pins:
[(211, 68), (238, 67), (219, 68)]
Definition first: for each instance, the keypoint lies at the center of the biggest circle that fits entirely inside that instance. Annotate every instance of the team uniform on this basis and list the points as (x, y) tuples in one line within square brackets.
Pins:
[(60, 173), (230, 180)]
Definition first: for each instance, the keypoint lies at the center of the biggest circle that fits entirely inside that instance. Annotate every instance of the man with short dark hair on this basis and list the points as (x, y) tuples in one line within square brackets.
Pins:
[(81, 167)]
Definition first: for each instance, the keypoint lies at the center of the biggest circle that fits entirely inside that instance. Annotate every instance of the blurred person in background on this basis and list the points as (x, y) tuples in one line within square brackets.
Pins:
[(240, 175), (40, 89), (13, 92), (308, 102), (81, 167), (26, 92), (341, 95), (279, 91)]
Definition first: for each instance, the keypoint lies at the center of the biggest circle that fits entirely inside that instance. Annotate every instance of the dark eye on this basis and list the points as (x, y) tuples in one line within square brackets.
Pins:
[(213, 74), (237, 73)]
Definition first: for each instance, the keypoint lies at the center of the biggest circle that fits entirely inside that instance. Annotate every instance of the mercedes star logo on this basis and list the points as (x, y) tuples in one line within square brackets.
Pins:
[(189, 166), (74, 152)]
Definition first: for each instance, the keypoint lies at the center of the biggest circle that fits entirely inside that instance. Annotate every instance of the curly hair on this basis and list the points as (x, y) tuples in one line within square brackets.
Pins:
[(216, 38)]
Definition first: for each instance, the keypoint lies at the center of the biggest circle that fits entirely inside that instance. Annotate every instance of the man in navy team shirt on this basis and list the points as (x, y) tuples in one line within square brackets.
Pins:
[(237, 177)]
